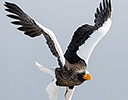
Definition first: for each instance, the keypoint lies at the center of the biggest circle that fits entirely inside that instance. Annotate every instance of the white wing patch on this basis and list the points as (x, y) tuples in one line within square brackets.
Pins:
[(53, 37), (86, 50)]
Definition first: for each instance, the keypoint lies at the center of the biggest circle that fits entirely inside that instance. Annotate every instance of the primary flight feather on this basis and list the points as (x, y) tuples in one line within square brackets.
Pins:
[(72, 70)]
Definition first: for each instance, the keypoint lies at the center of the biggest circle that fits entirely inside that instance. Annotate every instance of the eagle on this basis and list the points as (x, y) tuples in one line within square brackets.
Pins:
[(72, 65)]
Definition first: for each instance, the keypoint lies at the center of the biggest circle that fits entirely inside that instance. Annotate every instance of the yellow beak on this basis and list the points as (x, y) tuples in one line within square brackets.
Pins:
[(87, 77)]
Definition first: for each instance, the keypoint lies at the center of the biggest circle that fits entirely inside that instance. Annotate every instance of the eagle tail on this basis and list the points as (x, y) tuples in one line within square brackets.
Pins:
[(52, 89)]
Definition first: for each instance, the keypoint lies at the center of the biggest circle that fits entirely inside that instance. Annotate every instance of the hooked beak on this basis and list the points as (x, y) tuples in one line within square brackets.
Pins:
[(87, 77)]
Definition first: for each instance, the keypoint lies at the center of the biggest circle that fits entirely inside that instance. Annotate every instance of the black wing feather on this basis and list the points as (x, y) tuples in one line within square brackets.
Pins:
[(85, 31), (103, 14), (29, 27), (23, 19), (13, 16)]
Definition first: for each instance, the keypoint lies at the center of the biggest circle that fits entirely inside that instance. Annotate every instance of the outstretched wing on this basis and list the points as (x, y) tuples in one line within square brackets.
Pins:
[(32, 28), (90, 35)]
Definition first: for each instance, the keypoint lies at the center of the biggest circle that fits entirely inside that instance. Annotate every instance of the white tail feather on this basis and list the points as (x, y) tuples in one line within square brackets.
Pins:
[(51, 89)]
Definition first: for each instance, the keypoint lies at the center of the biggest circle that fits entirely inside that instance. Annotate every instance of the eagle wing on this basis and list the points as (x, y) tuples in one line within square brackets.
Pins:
[(89, 35), (32, 28)]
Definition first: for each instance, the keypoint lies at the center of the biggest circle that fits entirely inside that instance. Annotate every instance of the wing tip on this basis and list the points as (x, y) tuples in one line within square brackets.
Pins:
[(6, 3), (103, 12)]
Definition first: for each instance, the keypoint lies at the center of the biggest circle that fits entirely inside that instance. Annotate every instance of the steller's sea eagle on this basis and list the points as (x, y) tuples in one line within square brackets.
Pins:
[(72, 67)]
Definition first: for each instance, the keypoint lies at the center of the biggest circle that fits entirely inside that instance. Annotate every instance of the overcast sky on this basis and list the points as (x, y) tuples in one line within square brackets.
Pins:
[(20, 79)]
